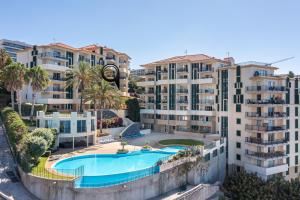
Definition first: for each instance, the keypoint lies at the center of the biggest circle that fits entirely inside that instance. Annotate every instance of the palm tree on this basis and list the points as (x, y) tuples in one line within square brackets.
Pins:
[(79, 77), (13, 77), (103, 95), (4, 59), (38, 80)]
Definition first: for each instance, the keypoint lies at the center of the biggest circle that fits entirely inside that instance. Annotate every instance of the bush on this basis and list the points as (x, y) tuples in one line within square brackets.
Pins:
[(15, 127), (110, 123), (121, 151), (133, 108), (32, 148), (46, 134)]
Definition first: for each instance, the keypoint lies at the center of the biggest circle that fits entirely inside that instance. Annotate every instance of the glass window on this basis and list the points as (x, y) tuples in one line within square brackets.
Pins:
[(238, 133), (65, 126), (238, 120), (238, 156), (92, 124), (238, 145), (81, 126)]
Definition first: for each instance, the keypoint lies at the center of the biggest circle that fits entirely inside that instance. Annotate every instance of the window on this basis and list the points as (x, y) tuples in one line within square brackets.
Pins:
[(296, 169), (288, 161), (215, 153), (81, 126), (238, 121), (238, 133), (207, 157), (287, 149), (48, 124), (92, 124), (56, 96), (296, 160), (238, 157), (238, 108), (296, 135), (296, 123), (238, 145), (65, 126), (222, 149), (296, 148), (296, 111)]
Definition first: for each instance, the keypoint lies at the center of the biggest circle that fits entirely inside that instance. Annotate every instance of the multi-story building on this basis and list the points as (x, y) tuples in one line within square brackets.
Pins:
[(12, 47), (247, 103), (137, 72), (57, 59), (180, 94)]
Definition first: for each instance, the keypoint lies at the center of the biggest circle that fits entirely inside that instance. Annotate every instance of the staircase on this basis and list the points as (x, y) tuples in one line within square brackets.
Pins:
[(132, 131)]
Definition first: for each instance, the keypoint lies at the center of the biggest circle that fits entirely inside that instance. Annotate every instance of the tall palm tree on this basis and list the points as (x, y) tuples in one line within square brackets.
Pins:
[(4, 59), (38, 79), (80, 78), (13, 77), (103, 95)]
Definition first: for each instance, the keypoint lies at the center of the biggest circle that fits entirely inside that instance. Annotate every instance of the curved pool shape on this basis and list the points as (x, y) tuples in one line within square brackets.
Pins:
[(102, 170)]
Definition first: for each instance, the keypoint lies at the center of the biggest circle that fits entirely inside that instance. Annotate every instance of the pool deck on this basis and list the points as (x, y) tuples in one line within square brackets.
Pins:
[(109, 148)]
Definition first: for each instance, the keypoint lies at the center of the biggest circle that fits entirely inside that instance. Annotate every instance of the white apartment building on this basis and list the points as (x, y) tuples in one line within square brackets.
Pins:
[(57, 59), (256, 110)]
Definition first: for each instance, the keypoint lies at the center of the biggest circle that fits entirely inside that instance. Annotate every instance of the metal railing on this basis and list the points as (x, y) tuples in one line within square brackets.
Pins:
[(266, 101), (266, 115), (265, 128), (182, 91), (206, 91), (266, 88), (265, 142), (58, 174), (52, 55), (265, 155)]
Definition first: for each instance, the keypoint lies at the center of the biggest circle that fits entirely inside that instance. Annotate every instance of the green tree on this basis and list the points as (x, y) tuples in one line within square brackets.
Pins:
[(38, 79), (13, 77), (46, 134), (133, 109), (80, 77), (4, 59), (101, 94)]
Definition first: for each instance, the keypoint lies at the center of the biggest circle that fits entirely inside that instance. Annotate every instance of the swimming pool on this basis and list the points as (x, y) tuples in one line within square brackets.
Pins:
[(101, 170)]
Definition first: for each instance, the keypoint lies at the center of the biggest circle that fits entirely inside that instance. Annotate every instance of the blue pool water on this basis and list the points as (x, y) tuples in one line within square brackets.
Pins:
[(102, 170)]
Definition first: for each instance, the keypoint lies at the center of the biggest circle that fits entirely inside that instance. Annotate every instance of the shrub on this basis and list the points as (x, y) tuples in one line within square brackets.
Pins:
[(110, 123), (120, 151), (32, 148), (15, 127), (46, 134), (133, 109)]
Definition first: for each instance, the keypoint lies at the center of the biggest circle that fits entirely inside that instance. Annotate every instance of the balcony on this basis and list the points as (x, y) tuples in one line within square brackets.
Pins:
[(266, 115), (150, 92), (265, 101), (206, 69), (182, 91), (110, 58), (271, 89), (53, 55), (149, 73), (260, 141), (182, 70), (164, 71), (206, 101), (265, 171), (182, 101), (265, 128), (164, 91), (265, 155), (206, 91)]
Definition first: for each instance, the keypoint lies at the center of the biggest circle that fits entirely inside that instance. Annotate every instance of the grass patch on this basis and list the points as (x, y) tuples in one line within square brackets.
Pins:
[(28, 122), (187, 142), (41, 171)]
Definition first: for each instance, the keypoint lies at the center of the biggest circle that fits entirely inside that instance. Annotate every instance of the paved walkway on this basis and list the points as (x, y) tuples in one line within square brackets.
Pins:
[(10, 187)]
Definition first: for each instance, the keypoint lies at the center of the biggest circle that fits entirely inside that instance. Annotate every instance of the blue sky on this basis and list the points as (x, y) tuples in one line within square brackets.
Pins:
[(261, 30)]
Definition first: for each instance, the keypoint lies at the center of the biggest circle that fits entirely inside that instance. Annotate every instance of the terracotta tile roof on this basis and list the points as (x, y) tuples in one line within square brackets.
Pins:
[(187, 58)]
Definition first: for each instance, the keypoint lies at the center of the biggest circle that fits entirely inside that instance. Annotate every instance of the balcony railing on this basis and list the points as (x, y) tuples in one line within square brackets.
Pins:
[(182, 101), (164, 71), (164, 91), (182, 70), (265, 155), (265, 142), (182, 91), (266, 101), (206, 91), (267, 115), (150, 92), (265, 128), (266, 88), (53, 55), (150, 73), (206, 70), (110, 58), (206, 101)]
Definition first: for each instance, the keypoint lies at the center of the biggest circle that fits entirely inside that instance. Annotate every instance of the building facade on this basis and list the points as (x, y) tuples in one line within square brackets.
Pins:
[(255, 109), (12, 47), (57, 59)]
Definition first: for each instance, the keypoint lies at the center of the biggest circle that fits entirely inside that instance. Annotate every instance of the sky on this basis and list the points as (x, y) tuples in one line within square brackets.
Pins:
[(150, 30)]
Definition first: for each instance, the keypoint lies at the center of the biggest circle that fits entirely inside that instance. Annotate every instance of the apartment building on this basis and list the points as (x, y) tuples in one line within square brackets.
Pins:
[(180, 94), (255, 109), (57, 59), (12, 47)]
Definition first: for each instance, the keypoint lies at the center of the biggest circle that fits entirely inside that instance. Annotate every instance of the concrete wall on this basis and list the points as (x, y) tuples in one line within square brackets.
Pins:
[(140, 189), (115, 132)]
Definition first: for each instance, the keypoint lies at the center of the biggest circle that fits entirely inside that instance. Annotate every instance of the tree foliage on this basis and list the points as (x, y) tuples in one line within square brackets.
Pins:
[(133, 109), (247, 186), (45, 133)]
